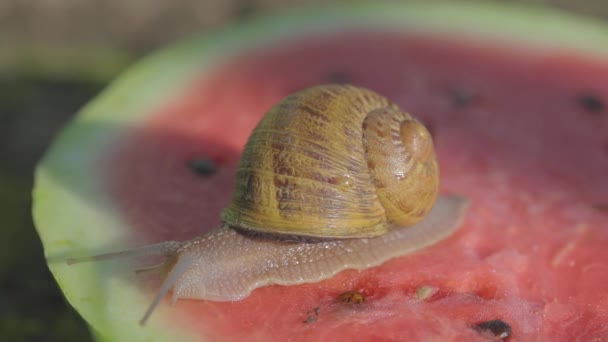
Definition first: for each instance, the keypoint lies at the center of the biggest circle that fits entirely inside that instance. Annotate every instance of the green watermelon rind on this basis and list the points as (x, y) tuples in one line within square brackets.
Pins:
[(73, 214)]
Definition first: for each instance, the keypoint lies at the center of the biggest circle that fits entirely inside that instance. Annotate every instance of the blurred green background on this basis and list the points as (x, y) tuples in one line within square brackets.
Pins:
[(56, 55)]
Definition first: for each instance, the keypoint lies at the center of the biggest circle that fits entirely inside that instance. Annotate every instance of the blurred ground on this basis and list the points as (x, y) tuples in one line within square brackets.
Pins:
[(55, 56)]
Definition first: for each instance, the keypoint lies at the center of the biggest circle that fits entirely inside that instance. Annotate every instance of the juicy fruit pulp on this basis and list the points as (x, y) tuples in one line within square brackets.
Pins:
[(515, 132), (532, 240)]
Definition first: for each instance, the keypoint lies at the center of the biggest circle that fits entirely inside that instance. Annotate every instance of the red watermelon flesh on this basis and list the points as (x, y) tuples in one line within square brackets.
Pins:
[(522, 134)]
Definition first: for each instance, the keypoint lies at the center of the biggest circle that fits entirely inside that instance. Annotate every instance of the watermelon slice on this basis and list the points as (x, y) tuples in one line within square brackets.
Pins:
[(517, 99)]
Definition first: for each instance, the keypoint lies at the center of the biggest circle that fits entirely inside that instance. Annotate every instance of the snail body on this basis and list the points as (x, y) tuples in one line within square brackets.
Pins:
[(333, 177)]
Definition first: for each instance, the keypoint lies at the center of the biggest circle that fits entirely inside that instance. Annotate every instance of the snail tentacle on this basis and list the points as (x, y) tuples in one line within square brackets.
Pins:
[(166, 249)]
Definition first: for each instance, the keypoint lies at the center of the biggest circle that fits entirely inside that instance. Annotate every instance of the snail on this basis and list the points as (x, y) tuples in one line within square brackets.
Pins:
[(333, 177)]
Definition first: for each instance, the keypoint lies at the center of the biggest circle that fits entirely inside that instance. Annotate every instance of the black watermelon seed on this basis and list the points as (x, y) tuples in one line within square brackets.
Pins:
[(312, 315), (461, 98), (591, 103), (203, 167), (496, 329), (309, 319)]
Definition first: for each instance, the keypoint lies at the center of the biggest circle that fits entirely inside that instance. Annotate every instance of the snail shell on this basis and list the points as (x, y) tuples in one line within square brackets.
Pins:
[(337, 169), (334, 162)]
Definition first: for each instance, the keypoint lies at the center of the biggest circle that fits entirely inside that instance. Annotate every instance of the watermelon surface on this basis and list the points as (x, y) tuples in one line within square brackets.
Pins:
[(517, 101)]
